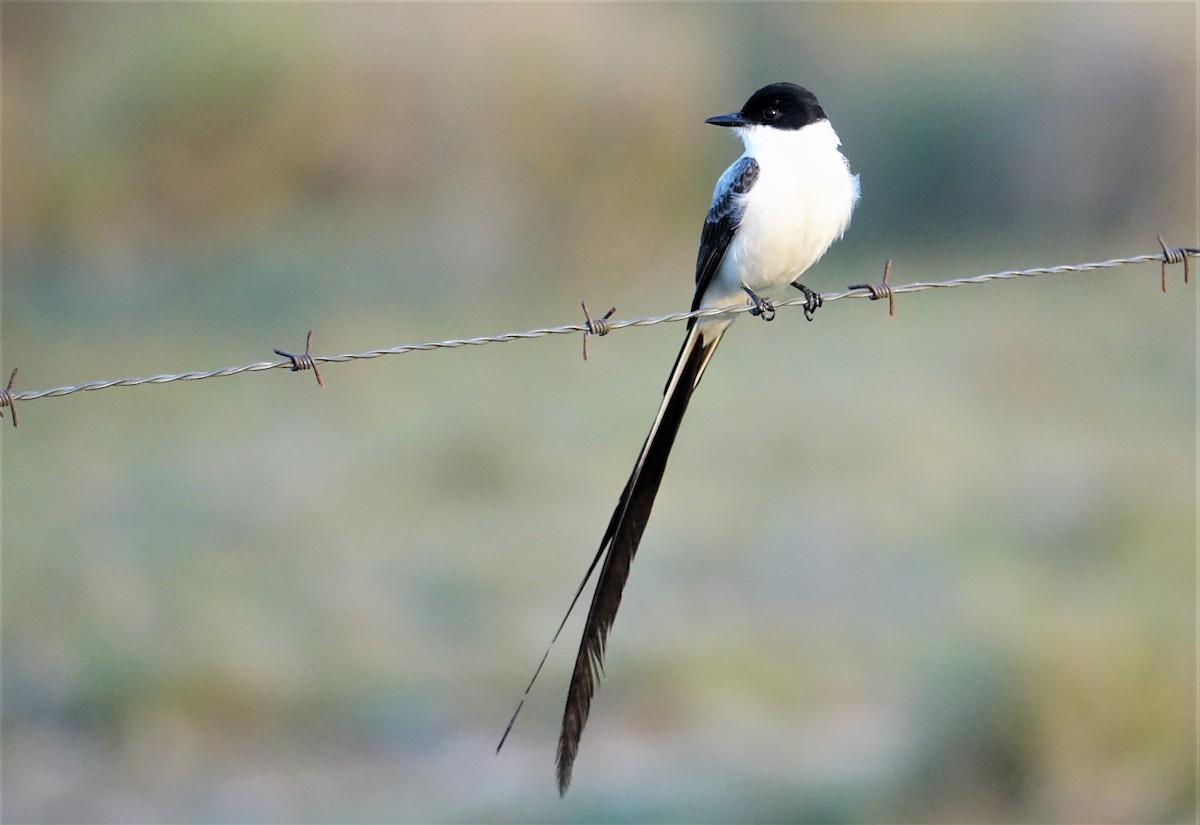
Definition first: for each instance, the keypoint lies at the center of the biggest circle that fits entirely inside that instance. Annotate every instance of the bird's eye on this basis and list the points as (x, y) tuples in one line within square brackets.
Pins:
[(770, 114)]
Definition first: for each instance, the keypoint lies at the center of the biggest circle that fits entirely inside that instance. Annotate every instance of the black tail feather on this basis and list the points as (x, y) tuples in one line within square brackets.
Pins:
[(623, 536)]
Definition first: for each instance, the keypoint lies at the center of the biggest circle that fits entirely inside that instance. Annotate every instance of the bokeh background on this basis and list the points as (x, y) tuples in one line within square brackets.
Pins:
[(935, 568)]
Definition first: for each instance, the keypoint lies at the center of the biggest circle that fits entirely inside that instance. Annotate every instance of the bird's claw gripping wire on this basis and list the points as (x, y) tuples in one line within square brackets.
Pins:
[(763, 307), (812, 300)]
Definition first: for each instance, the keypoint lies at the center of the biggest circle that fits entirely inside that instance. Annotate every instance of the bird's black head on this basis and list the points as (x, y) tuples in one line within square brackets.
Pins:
[(780, 105)]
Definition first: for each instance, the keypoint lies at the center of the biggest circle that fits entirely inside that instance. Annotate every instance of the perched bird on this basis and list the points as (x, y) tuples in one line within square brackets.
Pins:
[(774, 213)]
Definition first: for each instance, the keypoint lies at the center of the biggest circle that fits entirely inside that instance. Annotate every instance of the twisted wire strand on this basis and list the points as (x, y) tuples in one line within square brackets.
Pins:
[(1168, 255)]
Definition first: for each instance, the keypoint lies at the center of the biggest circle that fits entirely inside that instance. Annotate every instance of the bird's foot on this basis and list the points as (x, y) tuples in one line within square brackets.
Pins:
[(764, 307), (812, 299)]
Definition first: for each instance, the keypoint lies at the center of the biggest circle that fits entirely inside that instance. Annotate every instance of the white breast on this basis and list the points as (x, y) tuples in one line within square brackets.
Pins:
[(800, 204)]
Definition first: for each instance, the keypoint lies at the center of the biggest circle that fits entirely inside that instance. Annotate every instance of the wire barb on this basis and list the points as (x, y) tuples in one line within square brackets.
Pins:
[(6, 397), (304, 361), (595, 326), (882, 289), (1175, 255)]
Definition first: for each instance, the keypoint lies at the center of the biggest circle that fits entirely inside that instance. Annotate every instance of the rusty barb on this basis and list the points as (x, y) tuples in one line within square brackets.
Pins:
[(304, 361), (1175, 255), (6, 397), (595, 326), (882, 289)]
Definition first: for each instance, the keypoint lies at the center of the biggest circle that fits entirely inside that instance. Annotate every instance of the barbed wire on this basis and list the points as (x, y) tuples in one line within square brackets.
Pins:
[(602, 325)]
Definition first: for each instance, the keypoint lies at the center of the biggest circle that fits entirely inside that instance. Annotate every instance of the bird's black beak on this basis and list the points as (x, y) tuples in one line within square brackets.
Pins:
[(731, 119)]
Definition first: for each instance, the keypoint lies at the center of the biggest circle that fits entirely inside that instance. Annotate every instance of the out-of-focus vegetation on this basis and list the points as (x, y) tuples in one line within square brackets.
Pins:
[(939, 568)]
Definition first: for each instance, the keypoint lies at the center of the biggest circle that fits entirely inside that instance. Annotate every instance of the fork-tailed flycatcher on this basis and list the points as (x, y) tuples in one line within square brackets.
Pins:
[(774, 212)]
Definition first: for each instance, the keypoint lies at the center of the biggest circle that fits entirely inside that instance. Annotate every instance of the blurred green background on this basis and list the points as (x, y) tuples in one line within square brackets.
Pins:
[(949, 573)]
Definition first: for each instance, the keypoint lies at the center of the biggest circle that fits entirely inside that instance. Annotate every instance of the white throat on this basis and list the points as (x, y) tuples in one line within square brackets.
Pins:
[(766, 141)]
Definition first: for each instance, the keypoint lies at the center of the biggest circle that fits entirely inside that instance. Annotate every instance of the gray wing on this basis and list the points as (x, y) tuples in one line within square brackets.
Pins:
[(722, 222)]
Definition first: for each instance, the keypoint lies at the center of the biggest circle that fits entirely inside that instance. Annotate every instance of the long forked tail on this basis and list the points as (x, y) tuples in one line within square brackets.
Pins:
[(624, 533)]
